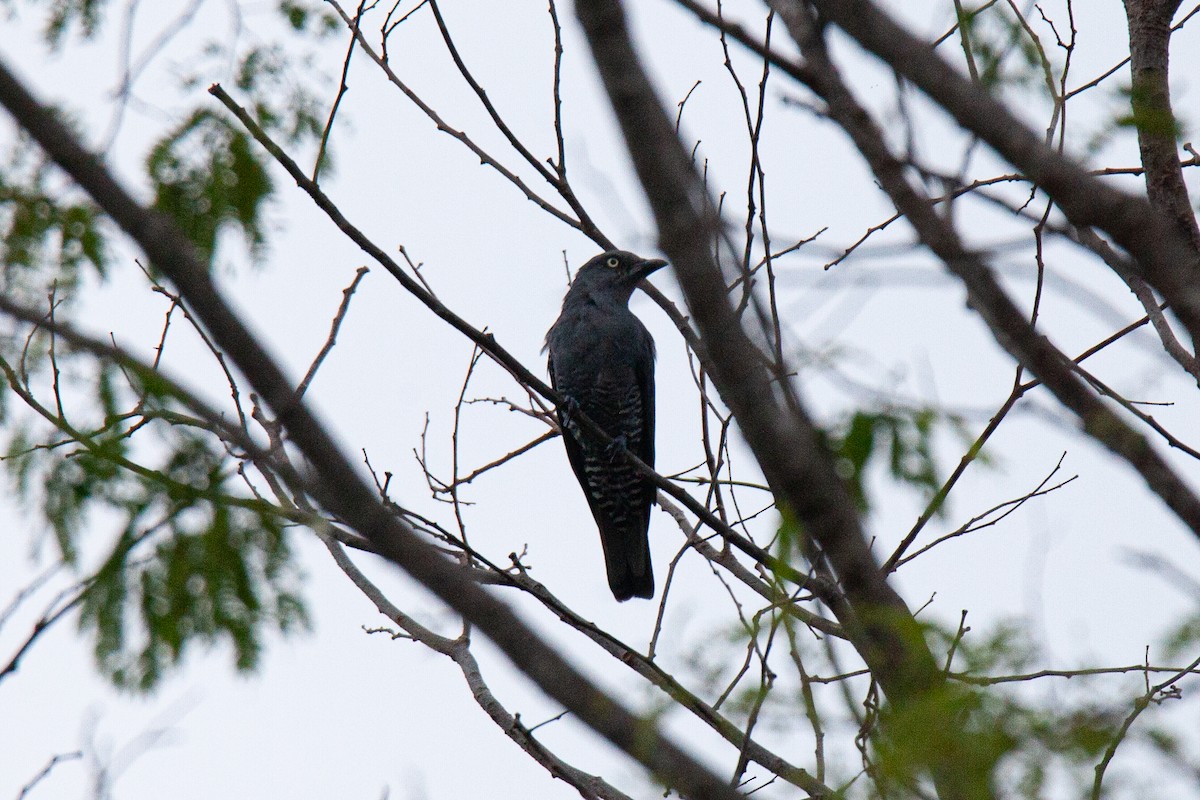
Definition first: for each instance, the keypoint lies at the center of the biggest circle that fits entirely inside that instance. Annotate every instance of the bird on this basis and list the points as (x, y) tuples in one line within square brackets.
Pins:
[(601, 360)]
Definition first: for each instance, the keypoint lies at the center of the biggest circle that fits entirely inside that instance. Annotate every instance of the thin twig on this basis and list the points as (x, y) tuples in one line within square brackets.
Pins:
[(1154, 694), (343, 87), (45, 771), (334, 327)]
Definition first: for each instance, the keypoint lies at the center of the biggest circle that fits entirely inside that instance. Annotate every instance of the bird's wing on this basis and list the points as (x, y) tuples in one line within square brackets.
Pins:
[(645, 379), (645, 449), (619, 498), (574, 449)]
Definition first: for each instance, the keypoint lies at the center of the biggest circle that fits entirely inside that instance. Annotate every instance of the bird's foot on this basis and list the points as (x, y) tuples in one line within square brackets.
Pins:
[(616, 448), (567, 413)]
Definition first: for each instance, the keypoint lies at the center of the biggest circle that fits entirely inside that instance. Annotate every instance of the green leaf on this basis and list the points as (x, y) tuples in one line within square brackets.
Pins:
[(1004, 54), (64, 14), (1148, 115), (281, 104), (305, 16), (206, 175), (855, 451), (907, 436), (46, 234), (193, 563), (217, 573), (1183, 639)]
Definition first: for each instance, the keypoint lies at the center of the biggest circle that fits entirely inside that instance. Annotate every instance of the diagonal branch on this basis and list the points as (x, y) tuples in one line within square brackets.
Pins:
[(334, 327), (590, 787), (487, 343), (1008, 324), (776, 426), (295, 508), (557, 179), (1168, 261), (334, 481)]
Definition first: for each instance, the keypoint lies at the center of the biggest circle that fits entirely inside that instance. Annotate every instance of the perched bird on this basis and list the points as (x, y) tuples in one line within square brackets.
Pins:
[(602, 362)]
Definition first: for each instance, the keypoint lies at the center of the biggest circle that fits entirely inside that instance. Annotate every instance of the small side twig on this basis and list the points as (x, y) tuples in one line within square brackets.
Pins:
[(1154, 695), (334, 327), (44, 773)]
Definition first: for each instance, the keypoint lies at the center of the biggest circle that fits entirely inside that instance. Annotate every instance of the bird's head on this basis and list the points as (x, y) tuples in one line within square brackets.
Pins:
[(614, 273)]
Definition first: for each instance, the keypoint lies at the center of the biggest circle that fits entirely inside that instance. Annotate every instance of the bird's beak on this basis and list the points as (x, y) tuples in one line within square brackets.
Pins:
[(643, 268)]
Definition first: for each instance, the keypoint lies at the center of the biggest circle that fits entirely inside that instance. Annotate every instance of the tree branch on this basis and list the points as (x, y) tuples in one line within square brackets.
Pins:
[(336, 484), (1150, 95), (1008, 324), (1168, 261), (489, 345), (784, 439)]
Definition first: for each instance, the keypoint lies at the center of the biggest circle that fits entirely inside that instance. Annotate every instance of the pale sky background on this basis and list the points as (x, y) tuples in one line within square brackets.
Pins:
[(340, 714)]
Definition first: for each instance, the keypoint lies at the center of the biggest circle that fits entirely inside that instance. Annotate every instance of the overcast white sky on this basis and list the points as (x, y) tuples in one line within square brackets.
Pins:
[(339, 713)]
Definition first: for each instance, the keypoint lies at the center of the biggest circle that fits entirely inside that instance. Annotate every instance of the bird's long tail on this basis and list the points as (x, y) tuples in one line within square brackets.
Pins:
[(627, 558)]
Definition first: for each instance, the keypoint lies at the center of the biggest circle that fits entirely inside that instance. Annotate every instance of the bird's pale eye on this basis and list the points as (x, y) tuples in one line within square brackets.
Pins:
[(613, 262)]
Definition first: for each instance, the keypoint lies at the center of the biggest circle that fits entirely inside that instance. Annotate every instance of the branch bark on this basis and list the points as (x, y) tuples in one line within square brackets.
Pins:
[(1150, 95), (814, 501), (773, 420)]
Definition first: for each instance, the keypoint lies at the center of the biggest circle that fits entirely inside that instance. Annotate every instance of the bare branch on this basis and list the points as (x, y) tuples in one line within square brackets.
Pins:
[(591, 787), (780, 433), (1008, 325), (334, 327), (1154, 694), (488, 344), (1150, 94), (1169, 263), (45, 771)]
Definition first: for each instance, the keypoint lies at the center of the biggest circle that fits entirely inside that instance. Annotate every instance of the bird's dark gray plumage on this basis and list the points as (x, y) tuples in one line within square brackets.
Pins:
[(602, 362)]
